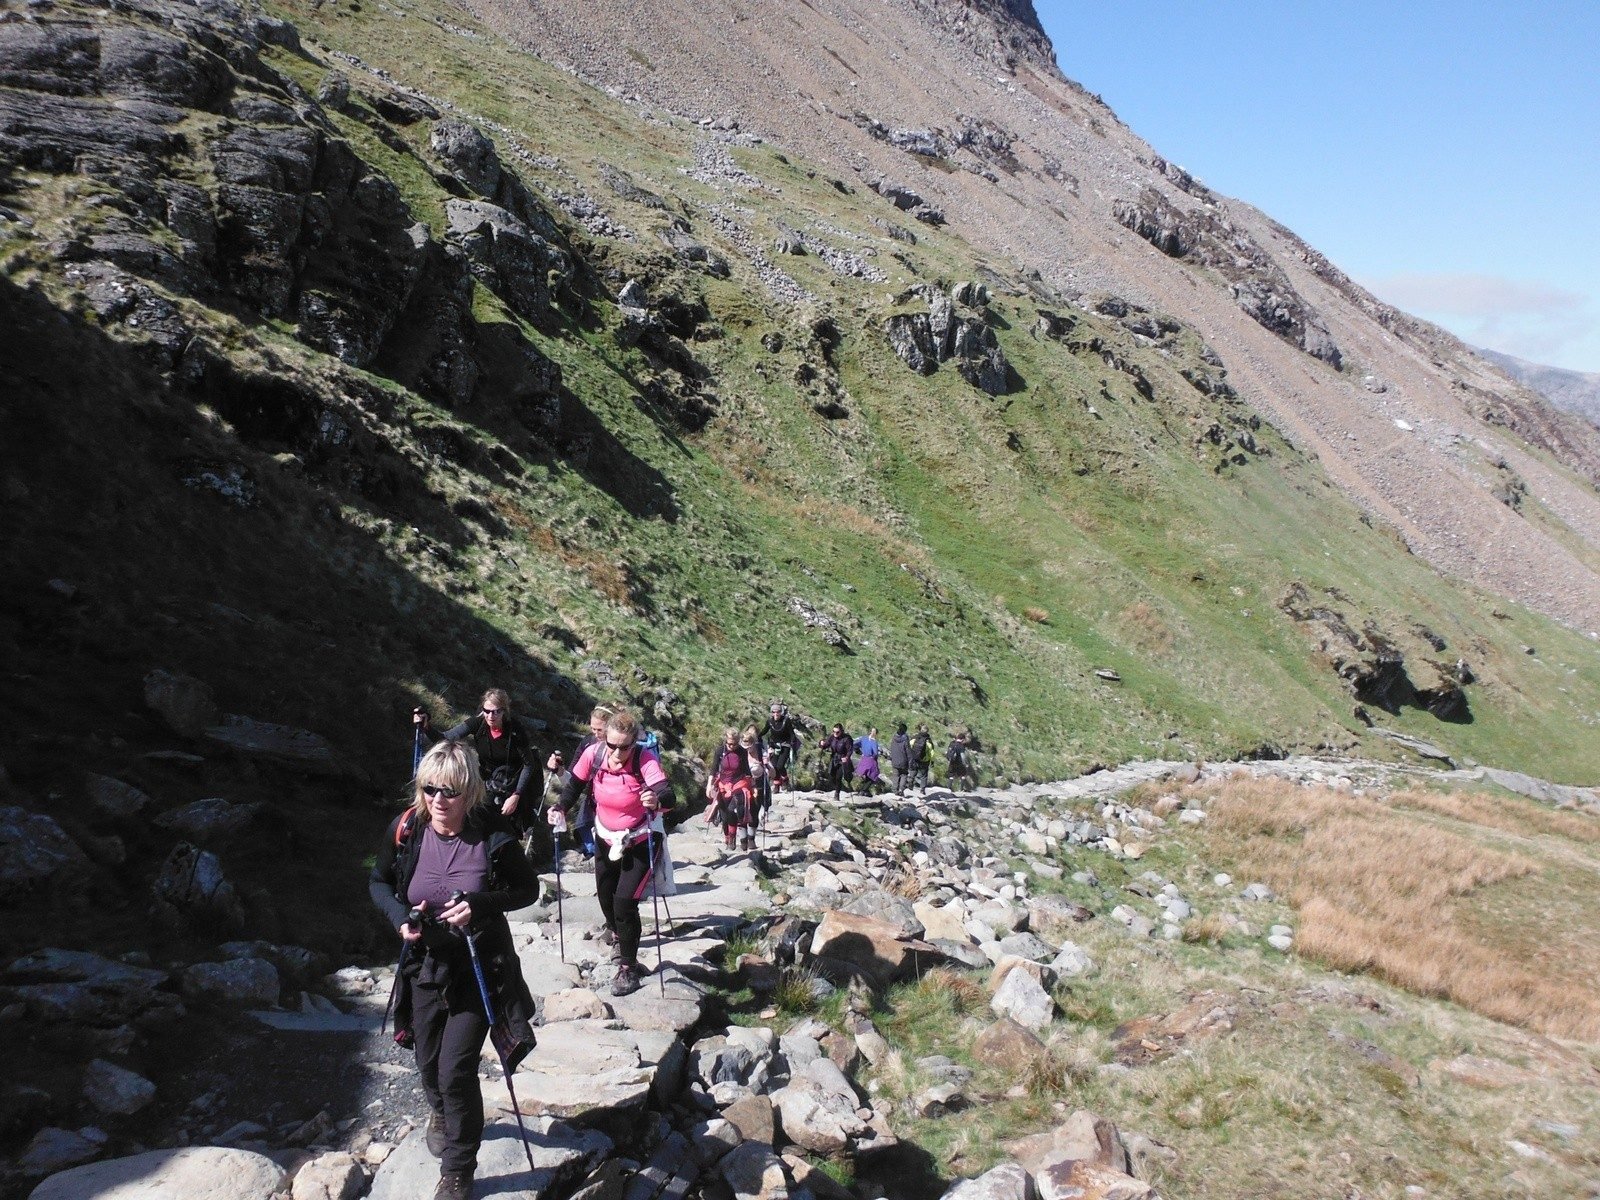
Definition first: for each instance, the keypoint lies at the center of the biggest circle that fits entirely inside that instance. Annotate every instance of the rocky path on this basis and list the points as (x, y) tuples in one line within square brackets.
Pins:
[(658, 1095)]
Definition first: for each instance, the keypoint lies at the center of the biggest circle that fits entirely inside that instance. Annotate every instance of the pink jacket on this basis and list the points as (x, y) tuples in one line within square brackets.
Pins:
[(616, 793)]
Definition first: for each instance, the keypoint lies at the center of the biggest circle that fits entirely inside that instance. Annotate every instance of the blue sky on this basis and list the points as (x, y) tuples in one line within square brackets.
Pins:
[(1447, 156)]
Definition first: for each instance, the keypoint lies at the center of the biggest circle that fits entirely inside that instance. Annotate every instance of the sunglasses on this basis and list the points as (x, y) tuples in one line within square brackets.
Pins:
[(432, 790), (492, 712), (619, 748)]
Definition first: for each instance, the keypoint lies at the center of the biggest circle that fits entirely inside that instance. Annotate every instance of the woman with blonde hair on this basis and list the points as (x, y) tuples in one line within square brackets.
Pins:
[(454, 864)]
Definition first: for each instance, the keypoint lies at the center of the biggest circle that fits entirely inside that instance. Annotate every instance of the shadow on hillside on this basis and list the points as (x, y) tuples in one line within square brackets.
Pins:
[(141, 533)]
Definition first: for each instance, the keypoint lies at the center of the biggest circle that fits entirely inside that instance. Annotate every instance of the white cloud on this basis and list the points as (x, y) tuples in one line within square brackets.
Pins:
[(1532, 320)]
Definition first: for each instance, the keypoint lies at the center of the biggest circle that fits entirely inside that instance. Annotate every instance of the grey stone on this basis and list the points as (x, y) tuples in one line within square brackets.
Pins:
[(208, 821), (332, 1176), (1025, 945), (114, 798), (1072, 960), (185, 704), (299, 748), (561, 1159), (239, 981), (1009, 1181), (192, 887), (1022, 998), (754, 1172), (34, 850), (116, 1090), (53, 1149), (1258, 892), (190, 1173)]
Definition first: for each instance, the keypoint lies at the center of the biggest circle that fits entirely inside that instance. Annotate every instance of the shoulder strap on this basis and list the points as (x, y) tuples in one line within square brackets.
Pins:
[(405, 827)]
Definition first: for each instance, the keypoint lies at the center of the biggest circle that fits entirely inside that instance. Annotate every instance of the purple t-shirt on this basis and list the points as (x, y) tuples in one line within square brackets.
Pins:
[(446, 865)]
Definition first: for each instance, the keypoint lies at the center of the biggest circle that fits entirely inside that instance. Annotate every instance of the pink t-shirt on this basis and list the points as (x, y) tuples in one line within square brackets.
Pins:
[(616, 793)]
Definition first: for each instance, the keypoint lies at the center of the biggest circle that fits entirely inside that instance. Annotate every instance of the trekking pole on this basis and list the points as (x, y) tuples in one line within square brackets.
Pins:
[(505, 1070), (561, 920), (655, 902), (416, 746)]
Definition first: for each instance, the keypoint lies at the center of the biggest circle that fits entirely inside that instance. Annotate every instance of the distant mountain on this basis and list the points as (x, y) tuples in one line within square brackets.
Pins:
[(1571, 391)]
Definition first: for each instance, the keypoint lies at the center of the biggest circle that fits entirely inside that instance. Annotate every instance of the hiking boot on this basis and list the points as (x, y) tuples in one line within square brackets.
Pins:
[(436, 1134), (627, 979), (454, 1185)]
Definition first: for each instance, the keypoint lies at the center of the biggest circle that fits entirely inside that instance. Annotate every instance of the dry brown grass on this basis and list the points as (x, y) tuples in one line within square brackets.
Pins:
[(1145, 628), (1383, 891), (1210, 928), (1039, 616), (1511, 814)]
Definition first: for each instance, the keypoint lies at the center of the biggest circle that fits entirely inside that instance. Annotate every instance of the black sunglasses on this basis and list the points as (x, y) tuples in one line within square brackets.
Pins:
[(431, 790), (621, 748)]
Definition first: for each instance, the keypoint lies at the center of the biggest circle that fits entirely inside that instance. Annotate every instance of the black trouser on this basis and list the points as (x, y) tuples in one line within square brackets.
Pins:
[(901, 776), (919, 775), (619, 884), (838, 776), (450, 1028)]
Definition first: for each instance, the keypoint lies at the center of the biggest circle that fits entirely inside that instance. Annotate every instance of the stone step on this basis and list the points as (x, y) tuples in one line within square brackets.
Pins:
[(561, 1156)]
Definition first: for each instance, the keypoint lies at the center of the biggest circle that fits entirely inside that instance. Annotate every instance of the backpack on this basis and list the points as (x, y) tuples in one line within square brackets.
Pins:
[(921, 750)]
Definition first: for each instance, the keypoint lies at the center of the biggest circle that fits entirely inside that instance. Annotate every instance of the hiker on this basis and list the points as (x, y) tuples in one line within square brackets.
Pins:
[(955, 761), (782, 736), (583, 819), (867, 764), (900, 758), (505, 755), (630, 792), (730, 789), (921, 757), (447, 842), (761, 780), (838, 749)]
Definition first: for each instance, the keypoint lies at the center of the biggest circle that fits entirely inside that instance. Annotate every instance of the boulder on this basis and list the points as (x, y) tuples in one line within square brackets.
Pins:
[(332, 1176), (752, 1116), (188, 1173), (469, 154), (35, 850), (1025, 945), (208, 821), (53, 1149), (754, 1172), (113, 798), (887, 907), (1007, 1046), (574, 1004), (246, 981), (1071, 961), (1083, 1137), (818, 1109), (1006, 1182), (1077, 1180), (185, 704), (298, 748), (74, 985), (192, 888), (116, 1090), (1022, 998), (874, 946), (947, 921)]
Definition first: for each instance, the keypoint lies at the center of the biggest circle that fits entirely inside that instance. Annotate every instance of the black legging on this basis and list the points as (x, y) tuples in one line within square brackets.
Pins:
[(450, 1027), (619, 885)]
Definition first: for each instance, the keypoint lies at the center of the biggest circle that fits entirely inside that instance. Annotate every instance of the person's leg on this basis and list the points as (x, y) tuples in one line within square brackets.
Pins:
[(606, 873), (460, 1047), (633, 881), (428, 1016)]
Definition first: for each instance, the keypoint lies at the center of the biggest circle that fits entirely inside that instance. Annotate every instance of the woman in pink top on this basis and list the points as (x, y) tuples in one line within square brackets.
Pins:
[(630, 790)]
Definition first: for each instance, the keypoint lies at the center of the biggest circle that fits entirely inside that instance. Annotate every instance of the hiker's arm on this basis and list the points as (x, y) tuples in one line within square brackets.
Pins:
[(576, 778), (381, 882), (517, 883), (465, 729), (656, 780)]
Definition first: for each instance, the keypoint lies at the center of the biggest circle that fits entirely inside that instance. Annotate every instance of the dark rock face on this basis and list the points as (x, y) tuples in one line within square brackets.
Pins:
[(1373, 664), (266, 208), (1259, 285), (953, 329)]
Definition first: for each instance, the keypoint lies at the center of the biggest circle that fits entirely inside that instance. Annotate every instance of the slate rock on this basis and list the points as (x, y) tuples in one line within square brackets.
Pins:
[(1007, 1045), (754, 1172), (191, 886), (331, 1176), (35, 850), (1009, 1181), (114, 798), (208, 821), (189, 1173), (53, 1149), (246, 981), (185, 704), (116, 1090), (1022, 998)]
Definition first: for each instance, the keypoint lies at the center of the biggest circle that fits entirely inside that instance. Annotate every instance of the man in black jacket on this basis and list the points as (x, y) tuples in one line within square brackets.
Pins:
[(900, 758)]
